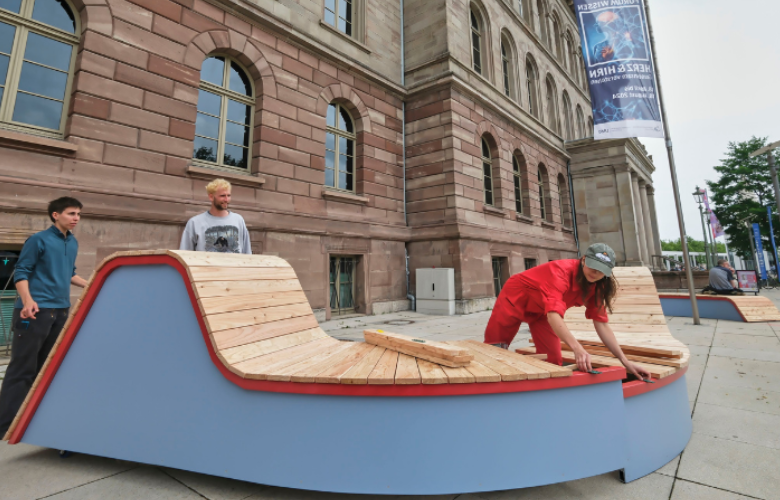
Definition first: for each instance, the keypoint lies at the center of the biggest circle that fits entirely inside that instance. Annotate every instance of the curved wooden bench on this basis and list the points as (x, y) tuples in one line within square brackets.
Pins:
[(133, 377), (745, 308)]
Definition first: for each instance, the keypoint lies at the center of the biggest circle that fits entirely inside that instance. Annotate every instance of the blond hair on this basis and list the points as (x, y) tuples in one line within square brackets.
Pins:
[(217, 184)]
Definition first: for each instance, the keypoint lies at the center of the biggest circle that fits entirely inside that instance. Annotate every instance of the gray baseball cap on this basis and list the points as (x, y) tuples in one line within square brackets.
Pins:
[(600, 257)]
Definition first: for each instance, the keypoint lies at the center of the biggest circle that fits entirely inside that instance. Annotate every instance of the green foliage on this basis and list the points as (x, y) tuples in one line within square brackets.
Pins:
[(693, 245), (743, 190)]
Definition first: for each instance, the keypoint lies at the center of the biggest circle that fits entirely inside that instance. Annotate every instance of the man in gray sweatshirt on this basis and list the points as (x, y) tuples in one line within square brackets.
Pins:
[(218, 229)]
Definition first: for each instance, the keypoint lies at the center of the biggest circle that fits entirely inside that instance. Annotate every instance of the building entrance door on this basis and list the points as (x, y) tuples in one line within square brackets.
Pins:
[(342, 284)]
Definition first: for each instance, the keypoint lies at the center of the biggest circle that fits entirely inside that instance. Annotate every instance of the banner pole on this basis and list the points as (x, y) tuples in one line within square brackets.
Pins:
[(675, 185)]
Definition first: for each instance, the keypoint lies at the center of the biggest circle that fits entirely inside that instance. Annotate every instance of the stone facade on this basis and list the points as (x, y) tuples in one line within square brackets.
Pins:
[(126, 148), (614, 198)]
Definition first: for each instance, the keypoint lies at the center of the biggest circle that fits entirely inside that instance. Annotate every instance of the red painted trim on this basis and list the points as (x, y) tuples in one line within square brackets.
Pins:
[(637, 387), (609, 374), (722, 298)]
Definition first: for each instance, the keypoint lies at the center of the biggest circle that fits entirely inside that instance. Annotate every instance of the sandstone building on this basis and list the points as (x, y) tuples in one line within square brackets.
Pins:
[(307, 107)]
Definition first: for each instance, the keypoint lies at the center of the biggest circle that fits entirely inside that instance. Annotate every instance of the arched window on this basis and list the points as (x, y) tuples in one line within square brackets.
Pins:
[(476, 42), (339, 148), (552, 105), (569, 53), (556, 27), (507, 67), (541, 10), (580, 123), (518, 171), (487, 172), (563, 201), (340, 15), (567, 117), (38, 45), (532, 84), (541, 177), (524, 6), (589, 132), (223, 127)]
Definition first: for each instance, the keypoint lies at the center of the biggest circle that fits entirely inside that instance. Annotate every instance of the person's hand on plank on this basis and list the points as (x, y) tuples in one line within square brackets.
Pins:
[(582, 358), (636, 370)]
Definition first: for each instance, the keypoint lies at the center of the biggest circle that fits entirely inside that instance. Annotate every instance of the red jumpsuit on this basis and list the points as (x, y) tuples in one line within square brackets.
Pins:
[(527, 298)]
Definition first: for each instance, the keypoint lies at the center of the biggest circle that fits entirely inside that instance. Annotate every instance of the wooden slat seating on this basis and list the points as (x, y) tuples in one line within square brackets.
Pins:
[(261, 327), (639, 325), (753, 308)]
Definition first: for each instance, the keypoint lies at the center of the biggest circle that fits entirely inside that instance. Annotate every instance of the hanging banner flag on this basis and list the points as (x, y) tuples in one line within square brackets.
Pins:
[(759, 250), (619, 63), (715, 225), (772, 238)]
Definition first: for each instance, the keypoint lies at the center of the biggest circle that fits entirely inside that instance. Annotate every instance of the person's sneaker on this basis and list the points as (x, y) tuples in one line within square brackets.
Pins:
[(708, 292), (737, 292)]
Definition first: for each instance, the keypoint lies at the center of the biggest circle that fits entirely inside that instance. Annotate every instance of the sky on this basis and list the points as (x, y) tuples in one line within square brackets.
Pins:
[(719, 64)]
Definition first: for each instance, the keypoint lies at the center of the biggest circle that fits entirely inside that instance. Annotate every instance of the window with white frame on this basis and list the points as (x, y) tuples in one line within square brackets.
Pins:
[(339, 148), (476, 41), (507, 68), (340, 15), (487, 172), (518, 171), (38, 44), (532, 84), (223, 127)]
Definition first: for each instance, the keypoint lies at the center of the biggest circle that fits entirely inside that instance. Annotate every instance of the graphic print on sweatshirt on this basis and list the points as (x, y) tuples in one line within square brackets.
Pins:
[(223, 239)]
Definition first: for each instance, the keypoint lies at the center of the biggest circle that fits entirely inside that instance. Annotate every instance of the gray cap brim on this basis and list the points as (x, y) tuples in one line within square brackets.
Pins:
[(598, 265)]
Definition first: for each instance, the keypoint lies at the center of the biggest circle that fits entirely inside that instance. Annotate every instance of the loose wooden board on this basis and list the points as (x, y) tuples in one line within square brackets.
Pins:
[(435, 352)]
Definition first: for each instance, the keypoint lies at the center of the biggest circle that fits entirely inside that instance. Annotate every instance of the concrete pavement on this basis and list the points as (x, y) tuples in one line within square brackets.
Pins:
[(733, 387)]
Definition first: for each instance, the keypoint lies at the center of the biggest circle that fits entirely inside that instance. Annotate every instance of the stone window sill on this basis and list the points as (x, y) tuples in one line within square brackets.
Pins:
[(548, 224), (346, 37), (525, 218), (493, 210), (567, 229), (19, 140), (234, 178), (332, 194)]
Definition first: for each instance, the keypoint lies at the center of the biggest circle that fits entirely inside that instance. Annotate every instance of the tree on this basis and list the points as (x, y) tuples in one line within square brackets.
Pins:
[(693, 245), (744, 189)]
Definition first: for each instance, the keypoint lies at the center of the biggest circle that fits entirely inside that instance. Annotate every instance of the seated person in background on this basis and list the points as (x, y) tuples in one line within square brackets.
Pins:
[(722, 281)]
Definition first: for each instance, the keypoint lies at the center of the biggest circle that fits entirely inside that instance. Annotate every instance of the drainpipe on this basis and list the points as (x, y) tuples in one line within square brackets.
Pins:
[(409, 294), (573, 208)]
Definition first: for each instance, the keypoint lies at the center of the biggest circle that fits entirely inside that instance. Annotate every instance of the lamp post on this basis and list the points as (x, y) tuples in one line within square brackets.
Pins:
[(698, 195)]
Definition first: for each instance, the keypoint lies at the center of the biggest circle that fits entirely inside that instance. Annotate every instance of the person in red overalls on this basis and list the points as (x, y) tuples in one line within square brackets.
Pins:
[(541, 296)]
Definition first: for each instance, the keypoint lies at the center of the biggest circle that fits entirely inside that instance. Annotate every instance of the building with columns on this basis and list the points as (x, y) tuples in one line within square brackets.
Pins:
[(361, 139), (614, 199)]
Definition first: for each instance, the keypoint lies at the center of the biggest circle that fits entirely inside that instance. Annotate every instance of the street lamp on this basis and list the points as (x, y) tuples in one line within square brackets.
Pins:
[(698, 195)]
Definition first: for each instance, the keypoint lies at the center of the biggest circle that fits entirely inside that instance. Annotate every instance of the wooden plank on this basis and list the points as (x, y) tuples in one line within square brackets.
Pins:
[(508, 373), (215, 259), (235, 337), (205, 289), (431, 373), (482, 373), (436, 352), (200, 274), (406, 371), (258, 368), (634, 349), (459, 375), (642, 359), (555, 370), (359, 373), (217, 305), (509, 358), (308, 373), (237, 319), (333, 374), (656, 371), (284, 374), (245, 352), (384, 371)]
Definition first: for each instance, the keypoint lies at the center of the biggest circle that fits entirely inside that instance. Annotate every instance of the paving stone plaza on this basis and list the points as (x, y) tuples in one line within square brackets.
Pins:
[(733, 388)]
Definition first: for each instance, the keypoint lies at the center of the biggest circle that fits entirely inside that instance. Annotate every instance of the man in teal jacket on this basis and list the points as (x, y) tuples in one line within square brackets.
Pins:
[(44, 272)]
